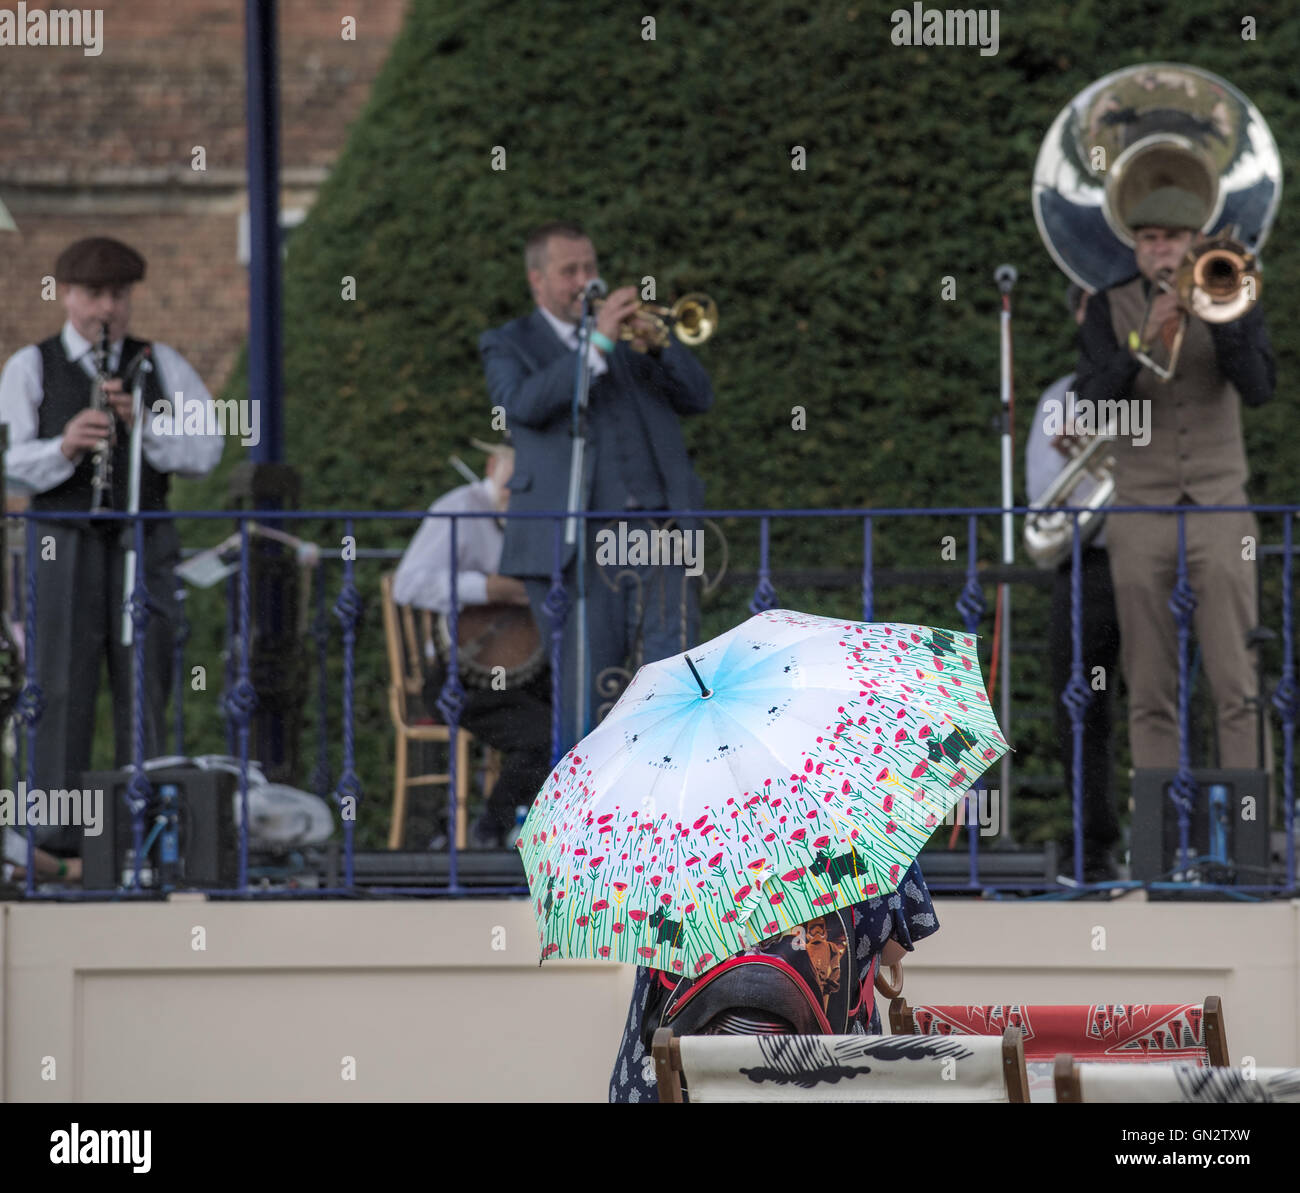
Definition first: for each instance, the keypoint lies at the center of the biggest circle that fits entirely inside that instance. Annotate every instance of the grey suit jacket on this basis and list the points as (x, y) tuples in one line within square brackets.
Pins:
[(530, 373)]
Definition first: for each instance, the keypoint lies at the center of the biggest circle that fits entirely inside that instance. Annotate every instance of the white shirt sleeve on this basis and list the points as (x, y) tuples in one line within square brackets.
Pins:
[(38, 464), (186, 439), (423, 577)]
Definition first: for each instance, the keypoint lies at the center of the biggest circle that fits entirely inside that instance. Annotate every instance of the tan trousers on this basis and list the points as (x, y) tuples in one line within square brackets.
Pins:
[(1144, 562)]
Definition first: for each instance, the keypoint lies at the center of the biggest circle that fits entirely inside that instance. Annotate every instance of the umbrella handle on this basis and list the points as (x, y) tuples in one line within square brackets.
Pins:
[(893, 986)]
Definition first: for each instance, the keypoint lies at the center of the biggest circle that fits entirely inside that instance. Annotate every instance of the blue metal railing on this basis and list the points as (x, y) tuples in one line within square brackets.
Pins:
[(240, 696)]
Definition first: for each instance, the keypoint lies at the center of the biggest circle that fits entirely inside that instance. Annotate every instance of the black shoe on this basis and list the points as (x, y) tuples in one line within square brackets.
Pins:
[(1100, 868)]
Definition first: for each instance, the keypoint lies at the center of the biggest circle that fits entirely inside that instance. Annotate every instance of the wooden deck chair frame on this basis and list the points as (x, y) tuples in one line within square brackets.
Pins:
[(902, 1022), (666, 1049), (1069, 1084), (405, 639), (1066, 1079)]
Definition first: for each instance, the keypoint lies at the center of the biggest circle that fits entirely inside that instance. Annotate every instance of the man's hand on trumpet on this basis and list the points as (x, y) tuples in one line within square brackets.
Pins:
[(616, 310), (645, 334)]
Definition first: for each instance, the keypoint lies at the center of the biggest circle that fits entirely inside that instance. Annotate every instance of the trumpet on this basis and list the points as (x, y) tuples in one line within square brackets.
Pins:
[(102, 481), (693, 318), (1217, 281)]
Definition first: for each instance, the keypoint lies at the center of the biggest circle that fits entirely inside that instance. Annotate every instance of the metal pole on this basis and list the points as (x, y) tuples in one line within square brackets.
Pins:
[(133, 504), (1005, 276), (265, 381), (575, 529)]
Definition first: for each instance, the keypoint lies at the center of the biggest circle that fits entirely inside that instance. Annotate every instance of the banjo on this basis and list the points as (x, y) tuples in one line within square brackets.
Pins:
[(488, 637)]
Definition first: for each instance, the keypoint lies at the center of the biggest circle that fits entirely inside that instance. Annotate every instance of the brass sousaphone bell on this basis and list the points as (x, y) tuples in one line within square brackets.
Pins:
[(1121, 138)]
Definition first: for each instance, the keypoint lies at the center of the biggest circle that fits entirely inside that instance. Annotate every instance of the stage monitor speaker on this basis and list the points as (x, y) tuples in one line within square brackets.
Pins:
[(206, 841), (1228, 828)]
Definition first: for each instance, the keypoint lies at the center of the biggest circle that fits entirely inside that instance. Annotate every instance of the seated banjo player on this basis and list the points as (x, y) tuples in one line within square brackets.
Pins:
[(506, 707)]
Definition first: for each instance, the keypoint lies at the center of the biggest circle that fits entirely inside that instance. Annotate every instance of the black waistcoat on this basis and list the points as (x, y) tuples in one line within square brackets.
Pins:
[(67, 392)]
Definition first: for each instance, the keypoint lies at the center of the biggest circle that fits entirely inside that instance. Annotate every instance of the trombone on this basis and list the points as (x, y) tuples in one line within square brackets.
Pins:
[(1217, 281), (693, 318)]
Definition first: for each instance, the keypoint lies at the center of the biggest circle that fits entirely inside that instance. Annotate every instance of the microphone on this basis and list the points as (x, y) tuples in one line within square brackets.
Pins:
[(594, 289), (1005, 276)]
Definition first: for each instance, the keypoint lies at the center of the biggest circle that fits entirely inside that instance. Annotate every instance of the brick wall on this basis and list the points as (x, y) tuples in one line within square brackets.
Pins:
[(194, 296), (171, 76), (102, 146)]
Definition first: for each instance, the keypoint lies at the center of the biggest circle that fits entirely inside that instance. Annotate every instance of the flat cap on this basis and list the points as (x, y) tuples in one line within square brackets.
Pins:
[(1169, 207), (99, 261)]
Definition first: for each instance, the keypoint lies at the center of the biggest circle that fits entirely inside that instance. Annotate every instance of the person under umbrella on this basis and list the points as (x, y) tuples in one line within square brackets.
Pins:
[(881, 932), (765, 791)]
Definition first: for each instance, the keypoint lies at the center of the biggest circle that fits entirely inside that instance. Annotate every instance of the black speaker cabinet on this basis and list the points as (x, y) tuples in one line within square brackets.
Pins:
[(207, 841), (1227, 831)]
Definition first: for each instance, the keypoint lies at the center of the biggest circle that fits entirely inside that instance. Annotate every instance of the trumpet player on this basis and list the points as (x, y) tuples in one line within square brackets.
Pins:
[(636, 458), (57, 422), (1195, 456)]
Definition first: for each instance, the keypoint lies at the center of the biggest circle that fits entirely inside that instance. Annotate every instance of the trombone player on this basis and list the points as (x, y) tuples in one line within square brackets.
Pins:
[(1195, 456)]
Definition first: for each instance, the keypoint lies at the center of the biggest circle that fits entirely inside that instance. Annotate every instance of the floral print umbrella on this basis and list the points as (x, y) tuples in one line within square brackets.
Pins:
[(790, 766)]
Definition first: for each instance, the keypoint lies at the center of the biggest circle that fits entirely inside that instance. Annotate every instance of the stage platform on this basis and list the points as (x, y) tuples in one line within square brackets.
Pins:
[(443, 999), (381, 868)]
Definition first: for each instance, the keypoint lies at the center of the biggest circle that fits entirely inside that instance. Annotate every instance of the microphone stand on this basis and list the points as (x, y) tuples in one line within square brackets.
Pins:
[(1005, 276), (133, 494), (577, 464)]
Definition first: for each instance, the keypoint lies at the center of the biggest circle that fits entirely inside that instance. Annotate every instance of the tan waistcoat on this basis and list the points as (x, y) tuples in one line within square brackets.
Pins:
[(1194, 421)]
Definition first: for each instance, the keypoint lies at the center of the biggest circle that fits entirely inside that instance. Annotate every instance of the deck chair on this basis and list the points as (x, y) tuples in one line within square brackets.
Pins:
[(839, 1068), (1092, 1082), (405, 632), (1152, 1034), (1188, 1032)]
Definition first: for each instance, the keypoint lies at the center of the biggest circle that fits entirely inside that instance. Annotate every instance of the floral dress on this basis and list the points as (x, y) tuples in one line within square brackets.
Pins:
[(906, 915)]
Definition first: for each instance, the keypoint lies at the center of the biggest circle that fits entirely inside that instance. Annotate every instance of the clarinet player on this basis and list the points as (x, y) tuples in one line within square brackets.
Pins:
[(69, 413)]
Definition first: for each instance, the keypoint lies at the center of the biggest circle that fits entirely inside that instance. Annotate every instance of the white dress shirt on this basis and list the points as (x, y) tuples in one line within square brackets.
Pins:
[(568, 333), (40, 465), (423, 577), (1043, 461)]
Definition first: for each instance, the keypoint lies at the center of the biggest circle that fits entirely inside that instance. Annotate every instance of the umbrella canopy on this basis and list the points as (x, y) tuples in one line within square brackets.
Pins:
[(792, 765)]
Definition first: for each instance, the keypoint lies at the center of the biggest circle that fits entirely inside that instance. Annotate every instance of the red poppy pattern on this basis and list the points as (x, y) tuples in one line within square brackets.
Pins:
[(728, 852)]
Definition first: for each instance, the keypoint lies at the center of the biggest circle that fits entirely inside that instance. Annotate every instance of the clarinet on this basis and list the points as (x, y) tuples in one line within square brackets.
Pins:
[(103, 456)]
